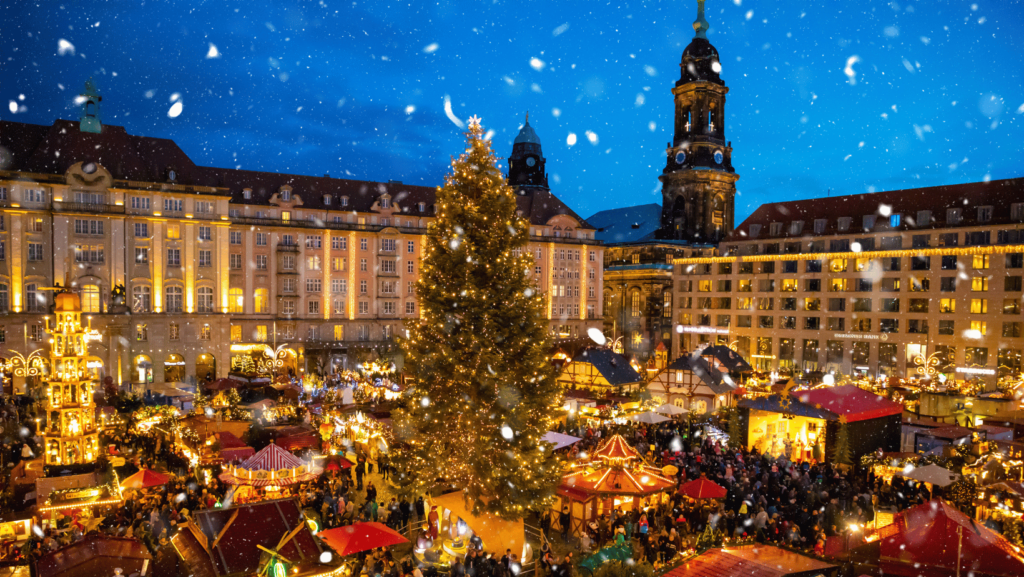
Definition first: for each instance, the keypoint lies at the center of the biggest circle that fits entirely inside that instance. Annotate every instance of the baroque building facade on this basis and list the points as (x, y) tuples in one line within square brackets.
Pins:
[(216, 262), (918, 283)]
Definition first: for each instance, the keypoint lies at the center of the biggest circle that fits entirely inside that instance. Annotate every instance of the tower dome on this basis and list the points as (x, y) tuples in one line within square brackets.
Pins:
[(527, 134), (700, 61)]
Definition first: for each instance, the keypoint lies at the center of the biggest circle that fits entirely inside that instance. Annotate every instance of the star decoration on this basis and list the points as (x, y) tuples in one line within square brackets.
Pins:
[(474, 120)]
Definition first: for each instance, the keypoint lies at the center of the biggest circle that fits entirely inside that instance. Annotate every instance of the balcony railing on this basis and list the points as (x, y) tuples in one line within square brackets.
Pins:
[(87, 207)]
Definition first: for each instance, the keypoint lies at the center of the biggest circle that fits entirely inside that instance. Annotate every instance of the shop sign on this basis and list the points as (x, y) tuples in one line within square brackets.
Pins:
[(701, 330), (862, 336), (975, 371)]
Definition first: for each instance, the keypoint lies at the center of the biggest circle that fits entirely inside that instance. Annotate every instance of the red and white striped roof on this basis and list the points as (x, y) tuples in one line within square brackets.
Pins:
[(272, 458)]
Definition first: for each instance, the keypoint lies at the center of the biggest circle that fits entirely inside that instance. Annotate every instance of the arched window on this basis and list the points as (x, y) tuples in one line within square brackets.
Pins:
[(90, 298), (140, 299), (262, 301), (634, 303), (5, 301), (34, 300), (236, 302), (174, 299), (205, 301), (286, 195)]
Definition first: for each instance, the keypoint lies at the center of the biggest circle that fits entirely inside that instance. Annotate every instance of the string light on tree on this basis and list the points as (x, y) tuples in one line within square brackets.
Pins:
[(478, 352)]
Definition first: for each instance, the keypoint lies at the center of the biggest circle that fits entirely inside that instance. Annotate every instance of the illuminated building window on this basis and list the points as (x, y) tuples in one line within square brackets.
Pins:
[(979, 284), (236, 333), (205, 303), (204, 332), (173, 331), (173, 300), (173, 232), (236, 301), (980, 326), (980, 262), (979, 306), (141, 332), (312, 263), (90, 298), (261, 333), (261, 301), (36, 333), (286, 215), (339, 332), (634, 306)]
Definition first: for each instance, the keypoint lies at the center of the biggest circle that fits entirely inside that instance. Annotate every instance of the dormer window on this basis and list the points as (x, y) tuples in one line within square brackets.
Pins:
[(172, 174), (286, 195), (755, 230), (327, 200), (247, 193), (844, 223), (385, 202), (796, 227), (953, 216), (820, 225), (894, 220), (344, 201), (869, 222), (984, 213), (423, 207), (924, 217), (775, 229)]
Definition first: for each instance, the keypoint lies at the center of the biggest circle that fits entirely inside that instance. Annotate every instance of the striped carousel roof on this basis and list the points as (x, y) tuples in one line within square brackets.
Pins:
[(616, 448), (615, 481), (271, 458)]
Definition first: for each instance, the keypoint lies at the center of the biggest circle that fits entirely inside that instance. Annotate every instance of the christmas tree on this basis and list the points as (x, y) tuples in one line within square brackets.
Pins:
[(485, 389), (841, 450)]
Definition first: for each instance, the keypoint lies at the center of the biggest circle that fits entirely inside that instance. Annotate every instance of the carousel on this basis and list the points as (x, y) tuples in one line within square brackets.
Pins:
[(616, 477), (271, 470)]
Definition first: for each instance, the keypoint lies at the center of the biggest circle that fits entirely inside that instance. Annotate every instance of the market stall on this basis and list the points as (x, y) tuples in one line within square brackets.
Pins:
[(270, 469)]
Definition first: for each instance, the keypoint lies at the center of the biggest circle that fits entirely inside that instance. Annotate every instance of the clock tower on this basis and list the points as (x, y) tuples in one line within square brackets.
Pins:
[(526, 165), (698, 184)]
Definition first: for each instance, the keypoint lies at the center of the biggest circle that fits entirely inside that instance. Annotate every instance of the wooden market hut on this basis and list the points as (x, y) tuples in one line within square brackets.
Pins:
[(601, 370), (617, 475), (692, 383), (808, 421), (95, 556)]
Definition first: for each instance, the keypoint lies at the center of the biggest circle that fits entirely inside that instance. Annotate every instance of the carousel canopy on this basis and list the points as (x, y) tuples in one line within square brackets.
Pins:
[(937, 535), (614, 481), (616, 449), (270, 467), (272, 458)]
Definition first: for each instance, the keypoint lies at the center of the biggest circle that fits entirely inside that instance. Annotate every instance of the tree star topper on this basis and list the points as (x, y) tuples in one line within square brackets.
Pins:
[(474, 120)]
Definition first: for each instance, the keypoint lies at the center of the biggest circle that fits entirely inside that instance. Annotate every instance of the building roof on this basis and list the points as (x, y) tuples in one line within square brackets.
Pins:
[(850, 401), (730, 359), (699, 366), (614, 367), (628, 224), (95, 557), (760, 560), (999, 194), (264, 523), (144, 159), (526, 134)]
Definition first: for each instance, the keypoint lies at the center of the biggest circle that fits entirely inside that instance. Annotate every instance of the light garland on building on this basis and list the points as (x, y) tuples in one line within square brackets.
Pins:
[(945, 251)]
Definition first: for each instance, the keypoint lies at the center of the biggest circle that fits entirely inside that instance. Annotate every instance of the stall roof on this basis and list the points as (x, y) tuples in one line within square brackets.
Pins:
[(699, 366), (94, 557), (773, 404), (853, 402), (560, 440), (949, 432), (935, 534), (760, 560)]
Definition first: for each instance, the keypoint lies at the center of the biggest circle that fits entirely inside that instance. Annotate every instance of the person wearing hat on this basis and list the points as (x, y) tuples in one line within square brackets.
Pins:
[(432, 522)]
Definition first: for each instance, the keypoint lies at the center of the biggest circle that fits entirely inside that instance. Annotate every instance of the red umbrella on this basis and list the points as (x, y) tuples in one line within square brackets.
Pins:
[(358, 537), (703, 489), (143, 479), (337, 463)]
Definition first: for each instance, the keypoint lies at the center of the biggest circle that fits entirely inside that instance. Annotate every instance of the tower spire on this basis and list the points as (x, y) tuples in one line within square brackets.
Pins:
[(527, 117), (700, 25)]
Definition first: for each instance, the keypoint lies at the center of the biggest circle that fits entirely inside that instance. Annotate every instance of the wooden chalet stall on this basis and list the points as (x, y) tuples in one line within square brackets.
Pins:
[(700, 382), (615, 477), (600, 370)]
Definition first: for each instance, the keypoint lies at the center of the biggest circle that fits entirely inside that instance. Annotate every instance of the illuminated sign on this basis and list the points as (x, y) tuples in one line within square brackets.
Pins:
[(763, 356), (93, 335), (975, 371), (701, 329), (862, 336), (94, 364)]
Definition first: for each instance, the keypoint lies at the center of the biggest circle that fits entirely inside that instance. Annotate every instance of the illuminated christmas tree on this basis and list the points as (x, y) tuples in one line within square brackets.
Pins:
[(485, 390), (71, 436)]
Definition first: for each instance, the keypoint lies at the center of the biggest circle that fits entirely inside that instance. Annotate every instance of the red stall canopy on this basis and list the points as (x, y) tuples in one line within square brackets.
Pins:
[(935, 535), (853, 402)]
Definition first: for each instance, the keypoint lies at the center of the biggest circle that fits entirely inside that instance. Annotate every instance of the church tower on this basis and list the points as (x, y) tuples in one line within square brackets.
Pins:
[(90, 99), (526, 165), (698, 182)]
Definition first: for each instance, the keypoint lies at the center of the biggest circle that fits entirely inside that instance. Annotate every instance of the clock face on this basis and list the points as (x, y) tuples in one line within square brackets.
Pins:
[(680, 157), (531, 161), (719, 157)]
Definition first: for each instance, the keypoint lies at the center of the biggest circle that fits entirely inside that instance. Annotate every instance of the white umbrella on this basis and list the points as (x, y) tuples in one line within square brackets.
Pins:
[(649, 418), (668, 409), (932, 474)]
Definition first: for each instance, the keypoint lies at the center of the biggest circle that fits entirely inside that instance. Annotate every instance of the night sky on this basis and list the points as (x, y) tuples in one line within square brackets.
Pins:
[(848, 96)]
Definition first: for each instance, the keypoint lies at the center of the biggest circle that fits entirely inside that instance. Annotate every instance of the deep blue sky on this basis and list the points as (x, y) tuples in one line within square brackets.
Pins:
[(357, 88)]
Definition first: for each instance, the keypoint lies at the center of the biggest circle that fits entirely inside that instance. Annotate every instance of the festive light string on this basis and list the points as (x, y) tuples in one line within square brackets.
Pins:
[(945, 251)]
